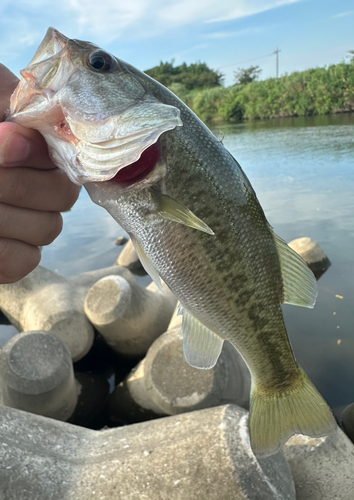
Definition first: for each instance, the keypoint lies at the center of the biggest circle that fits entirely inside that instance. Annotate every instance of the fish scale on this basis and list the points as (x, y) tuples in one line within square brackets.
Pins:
[(228, 313), (193, 216)]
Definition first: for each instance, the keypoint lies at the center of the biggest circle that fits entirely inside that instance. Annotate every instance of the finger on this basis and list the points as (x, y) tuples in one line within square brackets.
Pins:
[(8, 83), (21, 146), (17, 259), (49, 190), (35, 227)]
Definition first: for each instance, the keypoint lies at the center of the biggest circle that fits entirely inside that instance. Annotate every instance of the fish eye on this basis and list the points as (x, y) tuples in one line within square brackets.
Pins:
[(100, 61)]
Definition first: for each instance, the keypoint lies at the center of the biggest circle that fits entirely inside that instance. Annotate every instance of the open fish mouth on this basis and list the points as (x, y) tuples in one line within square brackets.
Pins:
[(39, 83), (96, 120)]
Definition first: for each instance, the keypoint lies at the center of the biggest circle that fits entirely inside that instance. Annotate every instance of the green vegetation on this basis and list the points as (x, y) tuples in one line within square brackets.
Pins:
[(247, 75), (311, 92), (193, 76)]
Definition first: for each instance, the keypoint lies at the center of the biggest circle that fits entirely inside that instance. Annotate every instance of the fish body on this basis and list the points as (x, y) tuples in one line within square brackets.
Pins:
[(192, 214)]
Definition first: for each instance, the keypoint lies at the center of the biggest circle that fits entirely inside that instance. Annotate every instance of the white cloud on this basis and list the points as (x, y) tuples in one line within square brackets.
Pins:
[(24, 23), (232, 34), (111, 16), (343, 14), (186, 11), (179, 56), (194, 48), (132, 19)]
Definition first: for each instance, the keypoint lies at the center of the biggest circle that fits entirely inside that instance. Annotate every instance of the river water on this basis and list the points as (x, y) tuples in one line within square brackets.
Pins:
[(302, 170)]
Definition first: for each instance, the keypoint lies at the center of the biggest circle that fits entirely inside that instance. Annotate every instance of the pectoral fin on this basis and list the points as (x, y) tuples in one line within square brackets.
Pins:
[(299, 282), (201, 346), (170, 209), (147, 264)]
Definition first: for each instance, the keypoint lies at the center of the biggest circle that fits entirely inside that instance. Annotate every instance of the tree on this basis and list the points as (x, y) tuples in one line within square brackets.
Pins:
[(193, 76), (351, 52), (247, 75)]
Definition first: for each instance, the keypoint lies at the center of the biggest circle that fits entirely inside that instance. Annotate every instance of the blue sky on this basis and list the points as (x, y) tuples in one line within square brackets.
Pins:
[(226, 34)]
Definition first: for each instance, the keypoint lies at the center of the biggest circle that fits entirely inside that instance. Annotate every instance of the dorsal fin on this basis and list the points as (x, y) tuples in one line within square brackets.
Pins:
[(299, 282)]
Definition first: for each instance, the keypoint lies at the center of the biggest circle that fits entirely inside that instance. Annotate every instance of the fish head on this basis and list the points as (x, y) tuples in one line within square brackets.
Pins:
[(95, 114)]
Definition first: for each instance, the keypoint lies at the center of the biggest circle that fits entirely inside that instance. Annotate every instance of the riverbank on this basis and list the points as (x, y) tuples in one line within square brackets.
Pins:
[(315, 91)]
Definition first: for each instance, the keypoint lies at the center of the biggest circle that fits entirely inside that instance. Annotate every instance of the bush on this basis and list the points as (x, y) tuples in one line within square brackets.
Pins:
[(192, 76), (314, 91), (311, 92)]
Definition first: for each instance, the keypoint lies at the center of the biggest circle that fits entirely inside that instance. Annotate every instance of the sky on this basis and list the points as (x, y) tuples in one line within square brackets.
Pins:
[(226, 34)]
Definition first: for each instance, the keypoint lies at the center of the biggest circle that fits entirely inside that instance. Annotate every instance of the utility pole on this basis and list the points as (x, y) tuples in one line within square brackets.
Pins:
[(276, 52)]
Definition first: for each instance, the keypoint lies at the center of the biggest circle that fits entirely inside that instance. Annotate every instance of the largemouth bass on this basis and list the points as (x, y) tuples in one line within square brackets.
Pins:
[(192, 214)]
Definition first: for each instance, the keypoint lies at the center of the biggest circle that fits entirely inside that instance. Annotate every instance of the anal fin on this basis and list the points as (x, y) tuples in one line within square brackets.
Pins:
[(201, 346)]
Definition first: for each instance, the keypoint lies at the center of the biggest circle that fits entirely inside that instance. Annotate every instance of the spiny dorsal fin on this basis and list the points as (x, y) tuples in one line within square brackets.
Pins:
[(299, 282), (170, 209), (147, 264), (201, 346)]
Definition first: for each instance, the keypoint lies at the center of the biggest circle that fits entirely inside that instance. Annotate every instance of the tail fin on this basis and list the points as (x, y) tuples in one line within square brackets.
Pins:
[(276, 416)]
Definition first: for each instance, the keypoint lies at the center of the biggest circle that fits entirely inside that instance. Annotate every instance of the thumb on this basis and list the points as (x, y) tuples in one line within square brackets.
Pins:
[(23, 147), (19, 146)]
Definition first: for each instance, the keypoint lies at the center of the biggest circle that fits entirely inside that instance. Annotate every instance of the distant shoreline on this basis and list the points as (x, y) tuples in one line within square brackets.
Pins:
[(317, 91), (217, 120)]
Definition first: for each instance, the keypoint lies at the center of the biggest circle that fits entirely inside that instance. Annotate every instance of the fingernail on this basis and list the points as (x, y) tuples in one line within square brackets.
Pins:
[(14, 150)]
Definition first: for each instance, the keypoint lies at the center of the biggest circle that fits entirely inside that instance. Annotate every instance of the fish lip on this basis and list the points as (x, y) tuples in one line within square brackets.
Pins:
[(26, 107), (54, 42), (33, 85)]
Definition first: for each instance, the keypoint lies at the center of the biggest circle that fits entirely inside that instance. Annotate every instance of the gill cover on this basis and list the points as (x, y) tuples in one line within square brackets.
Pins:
[(96, 118)]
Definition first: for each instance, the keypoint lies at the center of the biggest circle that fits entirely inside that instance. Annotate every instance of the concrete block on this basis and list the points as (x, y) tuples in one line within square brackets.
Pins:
[(200, 455), (165, 384), (322, 468), (129, 316), (129, 258), (48, 302), (176, 319), (312, 254), (36, 375), (347, 421), (121, 240)]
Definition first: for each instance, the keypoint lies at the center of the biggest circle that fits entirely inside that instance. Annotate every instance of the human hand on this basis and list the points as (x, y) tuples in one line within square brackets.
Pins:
[(33, 192)]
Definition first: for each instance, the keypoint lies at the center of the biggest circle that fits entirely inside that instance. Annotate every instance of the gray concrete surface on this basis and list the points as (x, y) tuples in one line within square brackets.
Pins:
[(121, 240), (129, 316), (322, 468), (165, 384), (36, 375), (347, 421), (312, 253), (200, 455), (129, 258), (46, 301)]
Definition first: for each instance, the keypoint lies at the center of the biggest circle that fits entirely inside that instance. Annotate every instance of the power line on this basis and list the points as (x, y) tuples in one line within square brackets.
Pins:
[(276, 52), (248, 60)]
